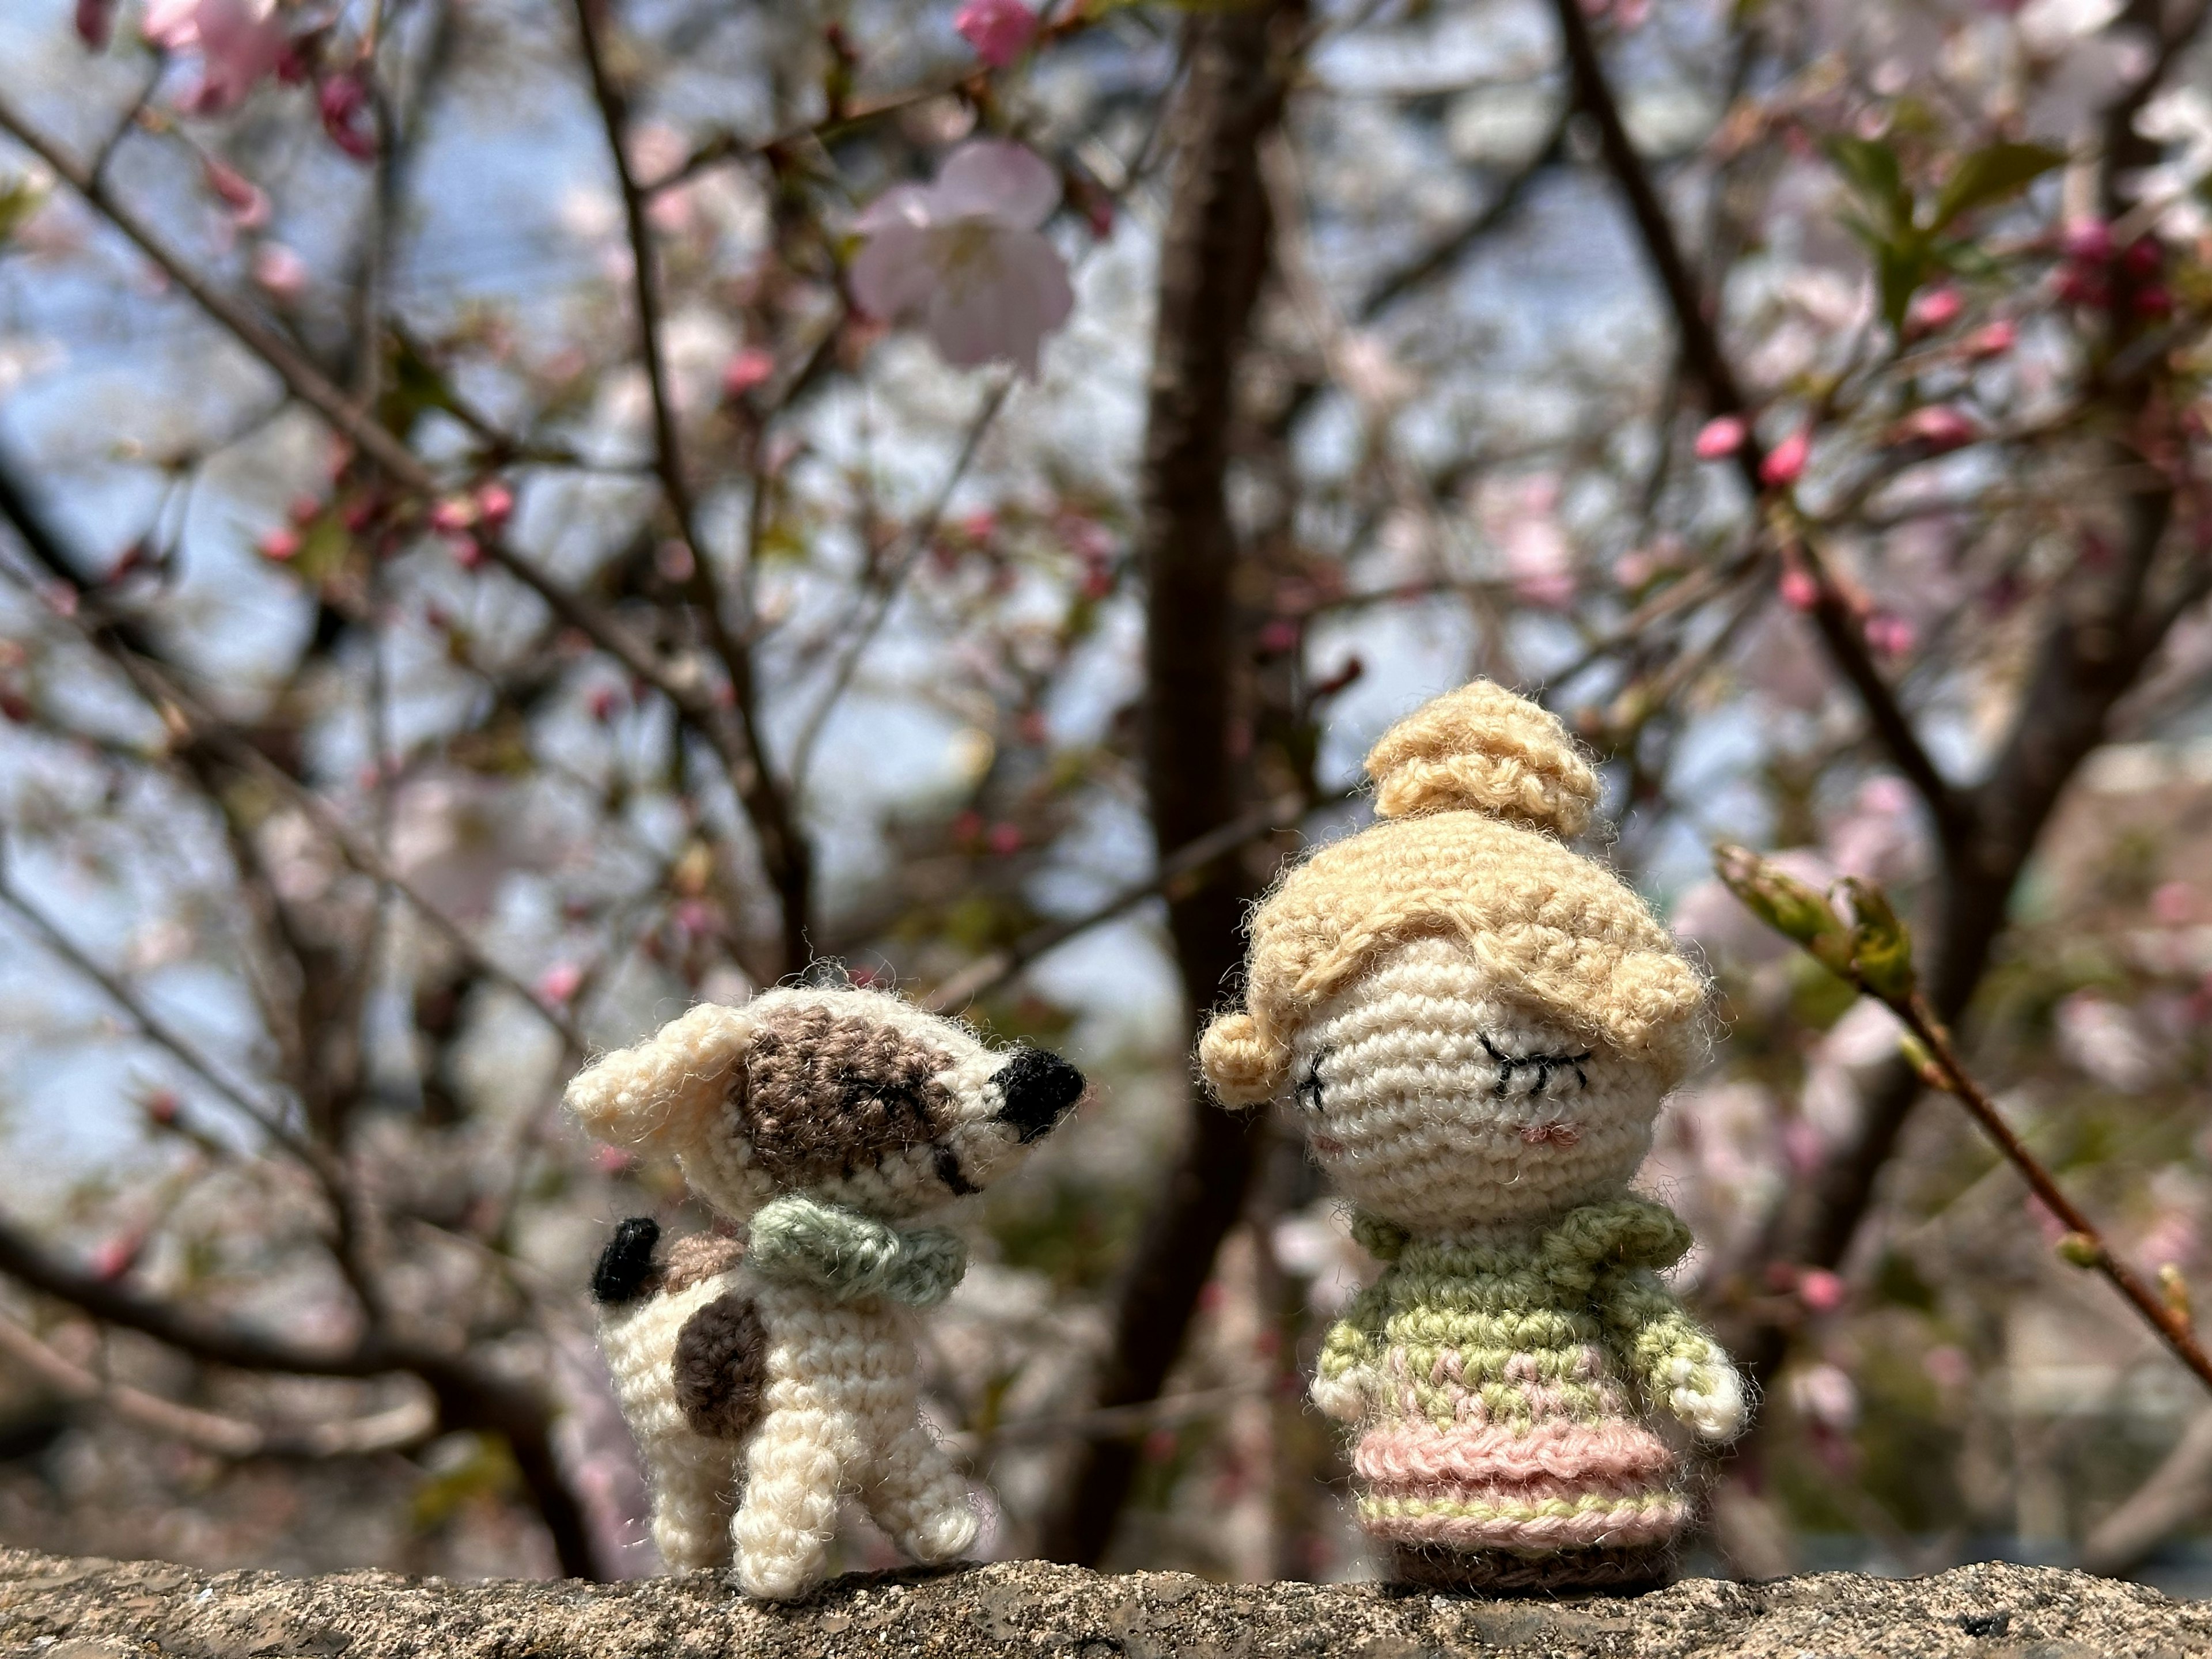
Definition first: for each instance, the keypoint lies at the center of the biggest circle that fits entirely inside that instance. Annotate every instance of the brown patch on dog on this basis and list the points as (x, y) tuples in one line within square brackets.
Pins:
[(721, 1367), (827, 1093), (695, 1259)]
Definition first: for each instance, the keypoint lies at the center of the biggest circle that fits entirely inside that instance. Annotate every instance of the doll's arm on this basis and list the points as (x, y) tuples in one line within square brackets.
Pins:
[(1679, 1365), (1349, 1370)]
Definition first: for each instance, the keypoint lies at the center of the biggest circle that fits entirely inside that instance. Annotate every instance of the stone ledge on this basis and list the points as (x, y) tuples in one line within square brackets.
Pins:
[(57, 1609)]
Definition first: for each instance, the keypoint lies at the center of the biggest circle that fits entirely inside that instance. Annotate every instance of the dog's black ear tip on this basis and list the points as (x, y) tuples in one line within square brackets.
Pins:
[(627, 1262)]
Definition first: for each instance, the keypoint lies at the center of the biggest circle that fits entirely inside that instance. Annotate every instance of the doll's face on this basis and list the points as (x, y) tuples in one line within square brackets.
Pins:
[(1435, 1103)]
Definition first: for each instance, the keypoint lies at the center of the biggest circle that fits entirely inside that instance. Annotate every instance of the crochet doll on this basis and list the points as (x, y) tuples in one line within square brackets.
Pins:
[(773, 1373), (1478, 1026)]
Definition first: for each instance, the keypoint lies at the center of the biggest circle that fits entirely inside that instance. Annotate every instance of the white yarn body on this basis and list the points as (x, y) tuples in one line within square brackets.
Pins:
[(1400, 1087), (840, 1415)]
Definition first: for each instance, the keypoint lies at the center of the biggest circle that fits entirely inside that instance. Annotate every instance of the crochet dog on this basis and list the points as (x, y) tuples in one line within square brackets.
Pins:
[(1478, 1027), (772, 1373)]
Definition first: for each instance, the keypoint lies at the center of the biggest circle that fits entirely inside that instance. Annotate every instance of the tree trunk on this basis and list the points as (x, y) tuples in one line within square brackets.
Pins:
[(1212, 263)]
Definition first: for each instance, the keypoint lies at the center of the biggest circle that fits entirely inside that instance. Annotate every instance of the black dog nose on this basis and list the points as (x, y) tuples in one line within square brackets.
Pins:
[(1038, 1088)]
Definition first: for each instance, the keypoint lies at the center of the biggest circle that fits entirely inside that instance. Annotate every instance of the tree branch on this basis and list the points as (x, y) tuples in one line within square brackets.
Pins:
[(395, 1429), (1703, 360), (1188, 866), (271, 1122), (682, 685), (1214, 255), (783, 850)]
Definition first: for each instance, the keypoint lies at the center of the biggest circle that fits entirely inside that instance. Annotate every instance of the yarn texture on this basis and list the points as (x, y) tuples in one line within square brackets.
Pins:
[(1472, 790), (768, 1378), (853, 1257), (1475, 1027)]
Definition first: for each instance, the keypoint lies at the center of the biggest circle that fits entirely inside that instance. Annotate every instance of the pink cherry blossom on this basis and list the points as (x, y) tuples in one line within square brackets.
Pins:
[(1992, 339), (1939, 307), (560, 982), (2088, 240), (1820, 1289), (1539, 559), (999, 30), (1798, 589), (1720, 437), (282, 273), (2173, 904), (1785, 463), (966, 258), (748, 368), (1889, 635), (238, 43), (1824, 1394), (115, 1256)]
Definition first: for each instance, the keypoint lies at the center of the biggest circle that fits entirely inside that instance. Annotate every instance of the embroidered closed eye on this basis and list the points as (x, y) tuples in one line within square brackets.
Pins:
[(1542, 1065), (1310, 1086)]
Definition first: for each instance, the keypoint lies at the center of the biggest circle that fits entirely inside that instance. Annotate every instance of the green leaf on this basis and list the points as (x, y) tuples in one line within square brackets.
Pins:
[(1881, 948), (1872, 169), (1988, 176), (20, 197), (1902, 268), (413, 386)]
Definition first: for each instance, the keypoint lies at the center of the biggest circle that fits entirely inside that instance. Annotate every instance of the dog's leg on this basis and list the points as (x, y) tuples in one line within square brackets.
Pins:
[(693, 1488), (919, 1498), (794, 1467)]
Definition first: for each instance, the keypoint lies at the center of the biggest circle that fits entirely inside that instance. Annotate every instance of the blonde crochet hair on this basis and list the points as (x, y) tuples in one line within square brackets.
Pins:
[(1476, 791)]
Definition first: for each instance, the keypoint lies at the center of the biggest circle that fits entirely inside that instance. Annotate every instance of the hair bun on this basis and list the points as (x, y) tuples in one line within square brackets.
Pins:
[(1481, 748)]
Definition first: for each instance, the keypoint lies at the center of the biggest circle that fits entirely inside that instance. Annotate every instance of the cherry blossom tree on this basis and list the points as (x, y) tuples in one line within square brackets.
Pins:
[(521, 517)]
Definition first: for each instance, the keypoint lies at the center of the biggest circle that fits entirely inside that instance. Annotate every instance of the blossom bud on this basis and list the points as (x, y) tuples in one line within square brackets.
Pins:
[(746, 369), (1720, 437), (999, 30), (1992, 339), (1820, 1290), (2088, 240), (560, 982), (1936, 426), (1785, 463), (348, 116), (279, 272), (1881, 948), (94, 19), (2080, 1250), (1937, 308), (1784, 903)]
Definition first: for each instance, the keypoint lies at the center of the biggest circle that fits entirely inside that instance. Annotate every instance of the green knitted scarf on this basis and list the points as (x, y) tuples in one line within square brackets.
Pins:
[(854, 1256)]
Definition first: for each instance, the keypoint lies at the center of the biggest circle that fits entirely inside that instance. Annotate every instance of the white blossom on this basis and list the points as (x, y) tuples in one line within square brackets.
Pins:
[(966, 258)]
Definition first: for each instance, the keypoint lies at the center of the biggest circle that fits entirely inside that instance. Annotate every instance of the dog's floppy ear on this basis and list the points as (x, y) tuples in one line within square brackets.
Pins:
[(657, 1095)]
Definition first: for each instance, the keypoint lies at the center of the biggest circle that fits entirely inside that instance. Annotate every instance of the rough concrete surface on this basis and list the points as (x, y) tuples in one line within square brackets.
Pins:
[(57, 1609)]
